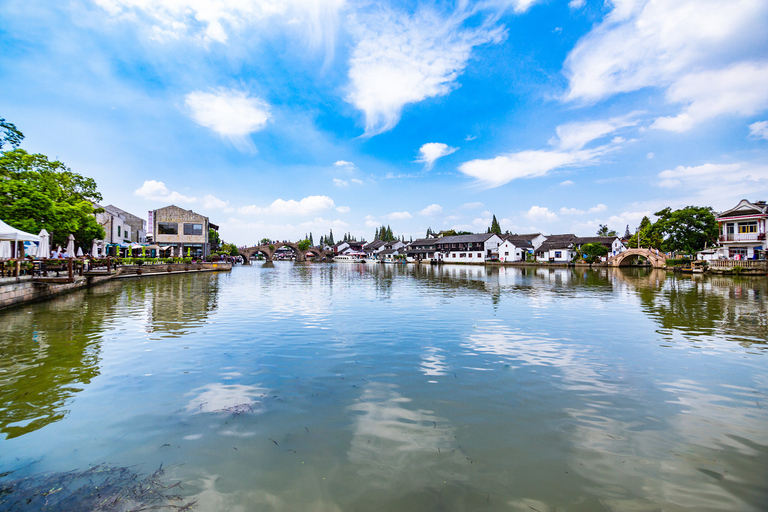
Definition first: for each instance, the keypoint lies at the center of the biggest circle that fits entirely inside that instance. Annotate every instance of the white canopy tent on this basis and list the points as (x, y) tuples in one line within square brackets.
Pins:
[(9, 234)]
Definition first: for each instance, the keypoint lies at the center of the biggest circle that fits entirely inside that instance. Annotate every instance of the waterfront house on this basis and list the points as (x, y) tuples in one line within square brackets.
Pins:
[(535, 239), (468, 248), (514, 249), (742, 231), (138, 226), (183, 230), (556, 249), (423, 249), (117, 230), (372, 249)]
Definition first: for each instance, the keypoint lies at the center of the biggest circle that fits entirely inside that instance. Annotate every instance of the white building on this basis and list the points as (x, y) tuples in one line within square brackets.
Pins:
[(468, 248), (742, 231)]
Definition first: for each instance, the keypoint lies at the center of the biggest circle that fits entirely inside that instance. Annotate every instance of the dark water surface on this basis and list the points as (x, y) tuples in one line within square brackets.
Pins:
[(343, 387)]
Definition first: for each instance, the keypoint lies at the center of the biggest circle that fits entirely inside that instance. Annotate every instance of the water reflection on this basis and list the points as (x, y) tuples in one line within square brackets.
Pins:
[(48, 352)]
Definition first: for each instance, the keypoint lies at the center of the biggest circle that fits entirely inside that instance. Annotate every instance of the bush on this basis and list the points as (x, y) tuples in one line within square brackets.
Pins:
[(674, 262)]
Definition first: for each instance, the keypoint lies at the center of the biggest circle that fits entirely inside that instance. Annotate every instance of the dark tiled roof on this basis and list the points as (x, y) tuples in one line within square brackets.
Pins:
[(461, 239), (423, 242), (520, 242), (605, 240)]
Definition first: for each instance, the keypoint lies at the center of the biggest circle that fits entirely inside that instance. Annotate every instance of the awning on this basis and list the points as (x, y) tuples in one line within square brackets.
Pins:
[(13, 234)]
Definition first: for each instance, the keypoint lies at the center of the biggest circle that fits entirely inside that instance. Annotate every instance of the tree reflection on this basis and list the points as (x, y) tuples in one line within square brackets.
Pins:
[(48, 353)]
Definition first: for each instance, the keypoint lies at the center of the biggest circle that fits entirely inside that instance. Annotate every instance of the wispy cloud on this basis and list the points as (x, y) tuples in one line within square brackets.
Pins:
[(431, 151), (343, 163), (575, 211), (700, 51), (231, 113), (716, 184), (401, 59), (570, 151), (759, 130)]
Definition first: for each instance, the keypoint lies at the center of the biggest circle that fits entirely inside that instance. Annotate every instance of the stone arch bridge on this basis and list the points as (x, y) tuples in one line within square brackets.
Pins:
[(269, 251), (656, 258)]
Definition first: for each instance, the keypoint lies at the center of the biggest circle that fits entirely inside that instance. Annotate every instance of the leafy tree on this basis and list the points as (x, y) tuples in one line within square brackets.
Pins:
[(37, 193), (213, 239), (593, 252), (627, 234), (264, 241), (230, 249), (304, 245), (647, 235), (688, 229), (495, 227), (429, 232), (311, 242), (604, 231), (329, 240), (9, 134)]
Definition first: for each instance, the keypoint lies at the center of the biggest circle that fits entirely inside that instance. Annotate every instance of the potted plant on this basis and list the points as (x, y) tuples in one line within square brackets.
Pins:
[(139, 262)]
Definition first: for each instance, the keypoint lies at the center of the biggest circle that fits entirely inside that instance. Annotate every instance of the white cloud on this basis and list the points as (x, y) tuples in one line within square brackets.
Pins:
[(307, 206), (432, 209), (540, 214), (643, 43), (739, 89), (472, 206), (431, 151), (372, 224), (569, 143), (357, 181), (343, 163), (153, 190), (650, 156), (213, 21), (342, 209), (401, 59), (469, 138), (339, 182), (398, 216), (575, 211), (759, 130), (702, 52), (576, 4), (210, 201), (716, 185), (230, 113), (566, 183)]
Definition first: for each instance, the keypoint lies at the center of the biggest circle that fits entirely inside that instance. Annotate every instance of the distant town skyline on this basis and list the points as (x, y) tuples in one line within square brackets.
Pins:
[(280, 118)]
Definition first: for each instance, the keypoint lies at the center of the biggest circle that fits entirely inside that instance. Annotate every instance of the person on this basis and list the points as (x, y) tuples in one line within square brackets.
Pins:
[(65, 254)]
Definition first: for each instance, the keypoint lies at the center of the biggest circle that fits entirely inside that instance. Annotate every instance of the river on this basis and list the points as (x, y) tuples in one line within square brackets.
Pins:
[(343, 387)]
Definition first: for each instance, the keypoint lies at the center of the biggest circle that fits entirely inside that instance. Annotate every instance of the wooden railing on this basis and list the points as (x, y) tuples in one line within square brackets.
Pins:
[(728, 264)]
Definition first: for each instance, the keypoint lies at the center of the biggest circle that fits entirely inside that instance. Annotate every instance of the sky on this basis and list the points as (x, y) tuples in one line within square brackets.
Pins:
[(279, 118)]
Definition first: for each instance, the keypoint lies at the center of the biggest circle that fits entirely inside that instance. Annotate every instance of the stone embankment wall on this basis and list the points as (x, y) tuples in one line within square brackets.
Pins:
[(25, 290)]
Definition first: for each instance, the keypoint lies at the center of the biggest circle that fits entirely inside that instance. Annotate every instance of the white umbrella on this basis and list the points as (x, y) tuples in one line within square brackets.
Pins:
[(95, 249), (5, 249), (79, 252), (71, 245), (44, 249)]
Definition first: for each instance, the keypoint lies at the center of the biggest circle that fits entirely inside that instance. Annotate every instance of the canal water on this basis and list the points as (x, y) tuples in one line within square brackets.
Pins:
[(344, 387)]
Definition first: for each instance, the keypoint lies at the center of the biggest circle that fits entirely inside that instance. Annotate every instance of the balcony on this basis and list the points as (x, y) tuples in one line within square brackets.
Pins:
[(742, 237)]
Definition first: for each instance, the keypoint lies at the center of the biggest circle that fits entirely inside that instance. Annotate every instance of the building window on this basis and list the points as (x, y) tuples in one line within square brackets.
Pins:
[(506, 253), (740, 251), (558, 254), (193, 229), (462, 255), (479, 255), (118, 230), (748, 227), (167, 228)]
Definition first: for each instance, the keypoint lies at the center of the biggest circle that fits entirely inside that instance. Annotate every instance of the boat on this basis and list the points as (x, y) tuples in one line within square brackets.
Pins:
[(348, 258)]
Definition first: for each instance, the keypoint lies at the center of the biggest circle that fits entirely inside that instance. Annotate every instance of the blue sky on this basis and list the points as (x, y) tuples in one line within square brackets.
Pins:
[(277, 118)]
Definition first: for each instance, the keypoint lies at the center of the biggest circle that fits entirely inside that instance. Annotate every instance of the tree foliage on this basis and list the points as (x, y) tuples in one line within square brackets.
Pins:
[(385, 234), (303, 245), (605, 231), (37, 193), (495, 227), (9, 134), (593, 252), (688, 229)]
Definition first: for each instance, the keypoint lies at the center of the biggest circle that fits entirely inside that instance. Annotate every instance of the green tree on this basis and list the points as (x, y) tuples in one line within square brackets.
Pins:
[(647, 235), (604, 231), (329, 240), (495, 227), (593, 252), (304, 245), (688, 229), (9, 134), (213, 239), (264, 241), (37, 193)]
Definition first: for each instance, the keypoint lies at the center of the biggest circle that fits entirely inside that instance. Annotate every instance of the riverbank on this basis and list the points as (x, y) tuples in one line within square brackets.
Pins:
[(16, 291)]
